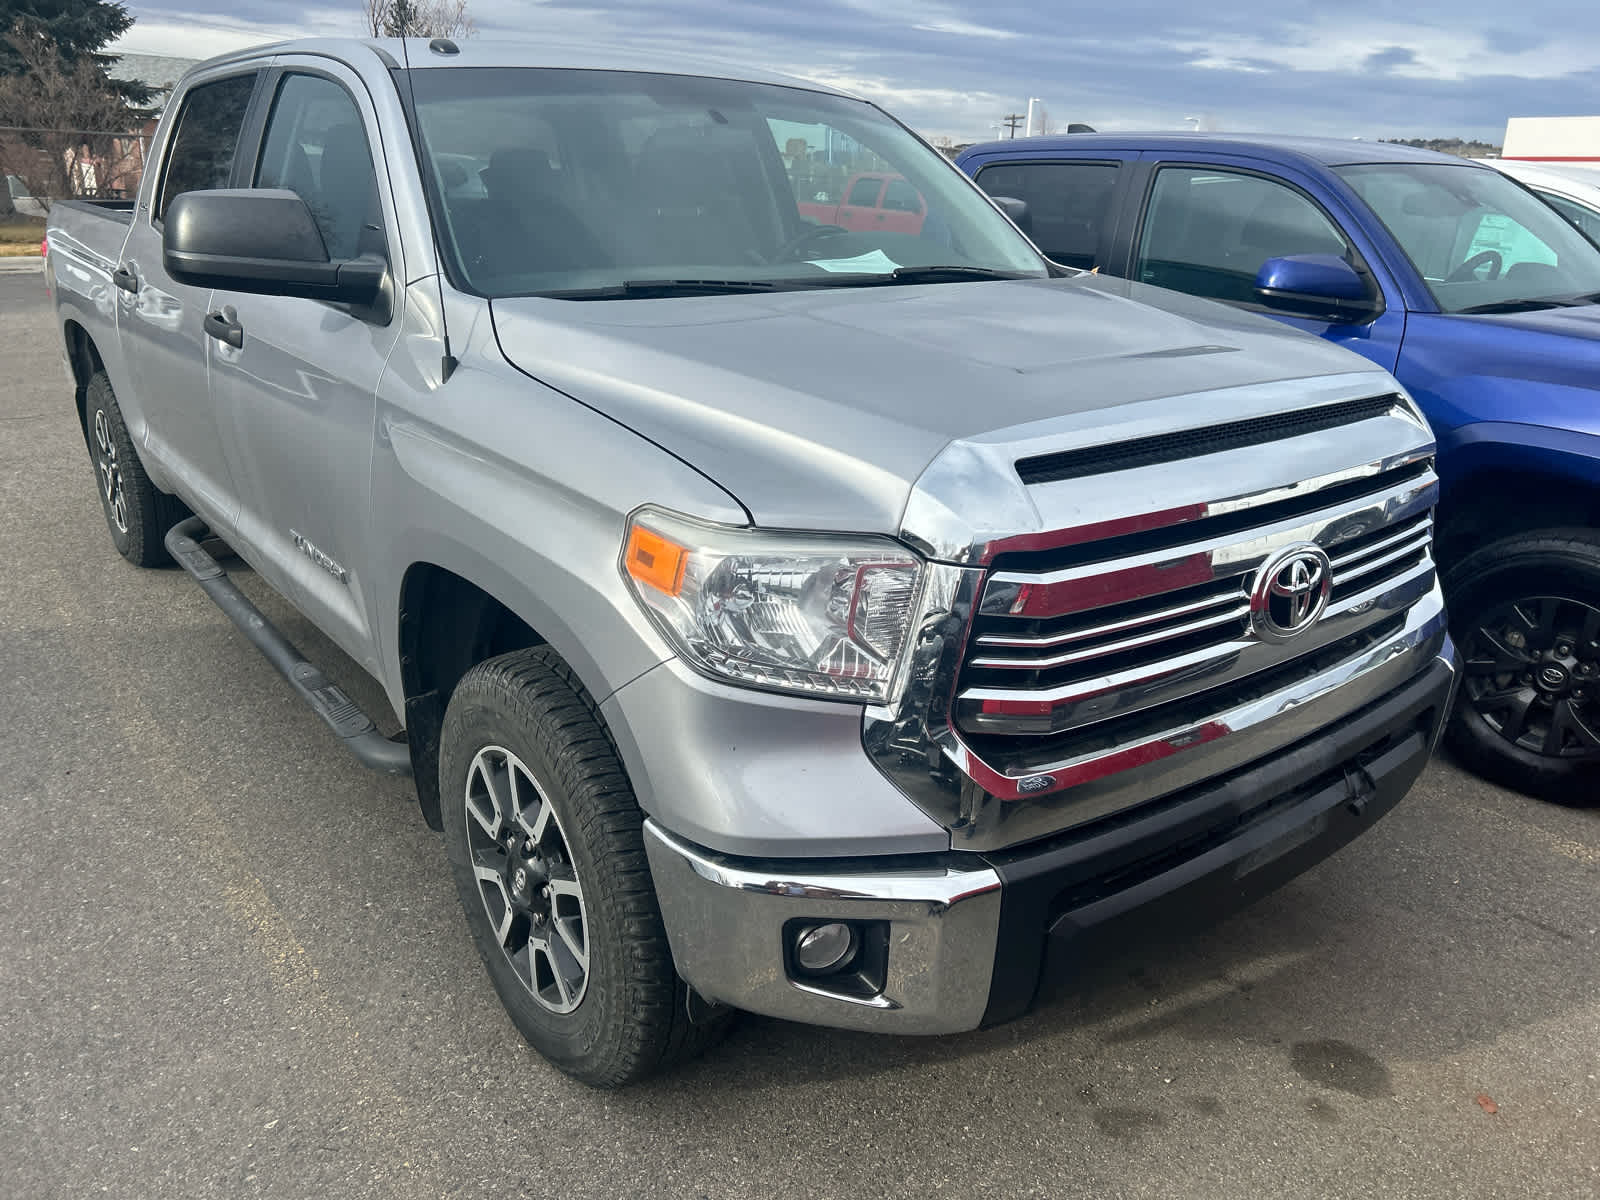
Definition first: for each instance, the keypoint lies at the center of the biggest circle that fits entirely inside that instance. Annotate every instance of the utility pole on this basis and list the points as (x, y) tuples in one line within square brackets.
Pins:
[(1012, 120)]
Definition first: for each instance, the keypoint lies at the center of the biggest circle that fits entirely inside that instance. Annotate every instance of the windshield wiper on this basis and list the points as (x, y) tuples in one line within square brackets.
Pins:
[(934, 274), (1515, 306), (646, 288)]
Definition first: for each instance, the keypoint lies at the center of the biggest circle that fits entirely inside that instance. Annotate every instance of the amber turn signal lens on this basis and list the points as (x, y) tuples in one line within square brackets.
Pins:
[(653, 560)]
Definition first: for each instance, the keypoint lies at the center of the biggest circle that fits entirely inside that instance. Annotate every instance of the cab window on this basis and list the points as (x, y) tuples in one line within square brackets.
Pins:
[(1069, 204), (1208, 232), (316, 147), (206, 139), (900, 196), (864, 192), (1586, 219)]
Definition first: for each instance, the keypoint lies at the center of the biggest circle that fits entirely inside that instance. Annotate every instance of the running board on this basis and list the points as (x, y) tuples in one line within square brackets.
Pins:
[(342, 714)]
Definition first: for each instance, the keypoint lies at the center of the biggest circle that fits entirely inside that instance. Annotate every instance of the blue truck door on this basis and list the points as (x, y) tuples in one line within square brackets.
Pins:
[(1207, 222)]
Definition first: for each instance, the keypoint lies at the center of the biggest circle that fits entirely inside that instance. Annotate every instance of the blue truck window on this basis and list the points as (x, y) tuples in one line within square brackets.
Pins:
[(1209, 231), (1069, 203)]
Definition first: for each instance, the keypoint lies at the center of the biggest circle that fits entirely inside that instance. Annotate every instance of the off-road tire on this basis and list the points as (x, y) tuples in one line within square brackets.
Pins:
[(138, 514), (1528, 571), (633, 1016)]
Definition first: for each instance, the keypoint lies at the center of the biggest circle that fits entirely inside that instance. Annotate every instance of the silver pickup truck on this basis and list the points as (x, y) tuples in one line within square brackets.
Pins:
[(854, 626)]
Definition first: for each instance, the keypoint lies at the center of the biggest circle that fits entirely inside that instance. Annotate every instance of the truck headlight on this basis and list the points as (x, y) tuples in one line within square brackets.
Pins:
[(805, 613)]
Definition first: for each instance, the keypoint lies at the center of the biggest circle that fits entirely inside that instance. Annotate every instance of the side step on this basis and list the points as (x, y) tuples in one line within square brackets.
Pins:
[(326, 698)]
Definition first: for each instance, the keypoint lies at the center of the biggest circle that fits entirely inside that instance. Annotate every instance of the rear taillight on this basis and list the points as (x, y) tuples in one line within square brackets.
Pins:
[(44, 247)]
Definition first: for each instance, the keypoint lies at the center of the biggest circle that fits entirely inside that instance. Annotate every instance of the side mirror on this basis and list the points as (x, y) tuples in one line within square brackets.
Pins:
[(1017, 210), (1318, 286), (264, 241)]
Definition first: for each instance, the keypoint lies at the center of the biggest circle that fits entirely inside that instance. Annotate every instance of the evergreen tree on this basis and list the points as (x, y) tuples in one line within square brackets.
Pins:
[(78, 29)]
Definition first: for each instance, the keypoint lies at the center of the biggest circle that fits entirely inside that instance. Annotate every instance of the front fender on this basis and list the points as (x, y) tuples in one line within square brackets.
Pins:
[(1483, 448), (521, 491)]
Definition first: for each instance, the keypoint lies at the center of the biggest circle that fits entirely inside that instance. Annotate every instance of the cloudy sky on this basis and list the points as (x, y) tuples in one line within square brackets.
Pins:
[(1374, 68)]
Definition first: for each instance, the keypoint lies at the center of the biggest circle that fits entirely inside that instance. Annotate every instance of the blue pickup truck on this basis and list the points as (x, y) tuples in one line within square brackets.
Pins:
[(1484, 303)]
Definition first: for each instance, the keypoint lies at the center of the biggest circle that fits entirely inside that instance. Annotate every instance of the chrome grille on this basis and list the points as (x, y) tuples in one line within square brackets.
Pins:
[(1056, 648)]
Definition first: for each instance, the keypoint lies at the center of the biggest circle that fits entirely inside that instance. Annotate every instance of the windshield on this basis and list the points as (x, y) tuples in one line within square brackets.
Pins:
[(609, 183), (1481, 242)]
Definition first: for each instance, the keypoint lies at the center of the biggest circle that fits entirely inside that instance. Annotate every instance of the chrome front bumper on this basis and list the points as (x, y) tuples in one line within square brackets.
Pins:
[(967, 932), (726, 921)]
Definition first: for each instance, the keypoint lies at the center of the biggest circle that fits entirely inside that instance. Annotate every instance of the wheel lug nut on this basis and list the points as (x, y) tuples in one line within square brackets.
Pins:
[(1563, 649)]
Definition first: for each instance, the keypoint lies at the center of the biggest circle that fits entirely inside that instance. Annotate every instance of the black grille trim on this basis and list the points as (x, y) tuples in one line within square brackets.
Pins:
[(1191, 443)]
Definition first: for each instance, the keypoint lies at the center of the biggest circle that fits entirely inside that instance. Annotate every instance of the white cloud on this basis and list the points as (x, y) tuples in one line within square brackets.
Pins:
[(966, 29), (1438, 53)]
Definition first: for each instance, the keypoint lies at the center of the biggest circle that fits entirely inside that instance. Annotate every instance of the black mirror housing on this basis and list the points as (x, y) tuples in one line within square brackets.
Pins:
[(1017, 210), (264, 241)]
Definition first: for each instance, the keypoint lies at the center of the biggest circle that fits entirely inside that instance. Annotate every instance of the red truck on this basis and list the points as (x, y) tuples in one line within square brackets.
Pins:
[(872, 201)]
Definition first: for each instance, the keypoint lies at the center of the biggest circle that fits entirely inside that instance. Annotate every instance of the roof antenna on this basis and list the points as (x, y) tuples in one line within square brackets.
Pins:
[(447, 361)]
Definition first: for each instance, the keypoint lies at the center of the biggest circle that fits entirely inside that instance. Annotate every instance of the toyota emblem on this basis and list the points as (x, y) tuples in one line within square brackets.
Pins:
[(1289, 592)]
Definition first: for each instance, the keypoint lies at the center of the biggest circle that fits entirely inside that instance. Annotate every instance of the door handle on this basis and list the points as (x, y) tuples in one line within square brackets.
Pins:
[(225, 327), (125, 279)]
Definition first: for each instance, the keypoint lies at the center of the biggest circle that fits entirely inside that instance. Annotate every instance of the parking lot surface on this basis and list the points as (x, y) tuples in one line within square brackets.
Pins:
[(232, 963)]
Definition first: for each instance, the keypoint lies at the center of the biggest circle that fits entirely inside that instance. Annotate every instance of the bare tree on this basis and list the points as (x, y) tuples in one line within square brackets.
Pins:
[(419, 18), (63, 127)]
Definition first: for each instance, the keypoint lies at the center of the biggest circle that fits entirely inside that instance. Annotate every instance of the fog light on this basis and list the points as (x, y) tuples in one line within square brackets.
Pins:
[(823, 948)]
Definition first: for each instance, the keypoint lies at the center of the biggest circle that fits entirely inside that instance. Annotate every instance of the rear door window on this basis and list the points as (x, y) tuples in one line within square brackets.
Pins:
[(207, 138), (1208, 232), (900, 196), (1069, 204), (864, 192)]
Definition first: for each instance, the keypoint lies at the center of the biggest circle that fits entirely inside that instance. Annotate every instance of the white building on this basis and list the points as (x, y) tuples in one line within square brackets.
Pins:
[(1553, 139)]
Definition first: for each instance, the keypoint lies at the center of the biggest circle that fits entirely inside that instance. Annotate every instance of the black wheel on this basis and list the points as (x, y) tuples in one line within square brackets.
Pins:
[(137, 512), (545, 840), (1525, 613)]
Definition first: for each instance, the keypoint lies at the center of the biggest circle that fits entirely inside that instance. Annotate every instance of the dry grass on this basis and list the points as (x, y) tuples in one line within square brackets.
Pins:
[(20, 235)]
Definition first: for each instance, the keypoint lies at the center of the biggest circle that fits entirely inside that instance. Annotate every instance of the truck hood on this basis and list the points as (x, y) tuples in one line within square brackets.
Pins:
[(820, 409)]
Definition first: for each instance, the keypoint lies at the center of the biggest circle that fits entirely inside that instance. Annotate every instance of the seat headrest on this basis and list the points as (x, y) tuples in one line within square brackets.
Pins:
[(516, 172)]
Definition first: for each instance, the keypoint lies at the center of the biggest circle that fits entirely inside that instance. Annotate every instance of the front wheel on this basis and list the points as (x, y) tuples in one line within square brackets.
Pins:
[(545, 841), (1525, 612)]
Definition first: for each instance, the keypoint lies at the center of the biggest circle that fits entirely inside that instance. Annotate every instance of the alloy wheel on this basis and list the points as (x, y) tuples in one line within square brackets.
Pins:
[(1532, 672), (110, 472), (526, 879)]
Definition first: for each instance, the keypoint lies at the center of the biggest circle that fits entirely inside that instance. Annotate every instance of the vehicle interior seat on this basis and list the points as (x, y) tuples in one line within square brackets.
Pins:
[(701, 203), (526, 225), (351, 221)]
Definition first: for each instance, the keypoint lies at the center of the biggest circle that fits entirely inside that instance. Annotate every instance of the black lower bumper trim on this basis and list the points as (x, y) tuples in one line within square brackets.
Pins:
[(1205, 852)]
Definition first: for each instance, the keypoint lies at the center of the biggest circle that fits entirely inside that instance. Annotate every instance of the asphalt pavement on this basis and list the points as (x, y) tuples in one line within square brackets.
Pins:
[(231, 963)]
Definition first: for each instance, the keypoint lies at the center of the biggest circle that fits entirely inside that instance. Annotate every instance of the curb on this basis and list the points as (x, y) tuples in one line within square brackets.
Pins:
[(21, 264)]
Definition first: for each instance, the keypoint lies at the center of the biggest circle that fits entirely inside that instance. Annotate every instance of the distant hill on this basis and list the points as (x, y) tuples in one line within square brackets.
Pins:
[(1449, 146)]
